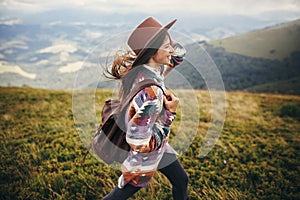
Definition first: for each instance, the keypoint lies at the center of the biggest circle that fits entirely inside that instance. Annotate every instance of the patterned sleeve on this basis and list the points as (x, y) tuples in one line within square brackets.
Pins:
[(149, 121)]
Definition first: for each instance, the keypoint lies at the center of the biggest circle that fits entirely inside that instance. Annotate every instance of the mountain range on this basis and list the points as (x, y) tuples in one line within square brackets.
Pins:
[(266, 60), (275, 42), (57, 55), (262, 61)]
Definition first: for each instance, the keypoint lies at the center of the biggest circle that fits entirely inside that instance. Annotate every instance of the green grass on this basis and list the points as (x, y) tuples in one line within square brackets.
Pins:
[(290, 86), (273, 43), (256, 157)]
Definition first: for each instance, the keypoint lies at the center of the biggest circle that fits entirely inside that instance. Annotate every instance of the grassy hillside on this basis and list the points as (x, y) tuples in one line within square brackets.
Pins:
[(244, 73), (290, 86), (257, 156), (265, 61), (275, 42), (257, 74)]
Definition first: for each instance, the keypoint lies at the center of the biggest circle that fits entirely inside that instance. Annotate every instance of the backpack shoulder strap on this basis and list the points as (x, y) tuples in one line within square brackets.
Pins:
[(138, 87)]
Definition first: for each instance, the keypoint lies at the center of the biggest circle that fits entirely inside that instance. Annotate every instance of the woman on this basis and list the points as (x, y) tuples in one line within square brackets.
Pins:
[(151, 112)]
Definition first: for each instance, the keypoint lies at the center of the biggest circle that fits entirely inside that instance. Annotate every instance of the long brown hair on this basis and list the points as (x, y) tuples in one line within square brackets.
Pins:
[(122, 64)]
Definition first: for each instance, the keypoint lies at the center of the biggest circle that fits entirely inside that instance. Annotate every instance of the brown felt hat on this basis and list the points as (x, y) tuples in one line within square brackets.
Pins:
[(145, 35)]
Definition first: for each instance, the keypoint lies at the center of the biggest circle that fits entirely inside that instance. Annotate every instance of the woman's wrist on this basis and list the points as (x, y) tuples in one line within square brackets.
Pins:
[(172, 111)]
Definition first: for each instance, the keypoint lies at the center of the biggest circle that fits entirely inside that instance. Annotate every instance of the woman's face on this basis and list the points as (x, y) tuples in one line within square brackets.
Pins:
[(163, 54)]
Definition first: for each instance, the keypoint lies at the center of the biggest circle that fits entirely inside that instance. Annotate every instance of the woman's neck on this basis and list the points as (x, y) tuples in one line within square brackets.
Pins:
[(153, 65)]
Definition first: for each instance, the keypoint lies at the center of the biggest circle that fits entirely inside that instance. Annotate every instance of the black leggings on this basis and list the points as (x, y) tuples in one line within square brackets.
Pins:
[(173, 171)]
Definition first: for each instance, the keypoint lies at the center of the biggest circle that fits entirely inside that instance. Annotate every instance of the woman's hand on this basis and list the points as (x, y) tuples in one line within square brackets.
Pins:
[(171, 102), (177, 55)]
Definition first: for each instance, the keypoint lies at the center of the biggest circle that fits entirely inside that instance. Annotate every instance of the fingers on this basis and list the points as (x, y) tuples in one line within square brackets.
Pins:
[(167, 97), (171, 102), (172, 97)]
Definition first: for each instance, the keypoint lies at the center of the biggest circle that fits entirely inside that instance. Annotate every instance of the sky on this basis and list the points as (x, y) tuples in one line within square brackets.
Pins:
[(286, 8)]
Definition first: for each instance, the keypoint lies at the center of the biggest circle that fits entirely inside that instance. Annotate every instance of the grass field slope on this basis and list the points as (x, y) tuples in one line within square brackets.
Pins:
[(256, 156), (276, 42)]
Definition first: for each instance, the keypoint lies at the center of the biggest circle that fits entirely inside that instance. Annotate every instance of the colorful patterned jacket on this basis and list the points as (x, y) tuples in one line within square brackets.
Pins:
[(148, 126)]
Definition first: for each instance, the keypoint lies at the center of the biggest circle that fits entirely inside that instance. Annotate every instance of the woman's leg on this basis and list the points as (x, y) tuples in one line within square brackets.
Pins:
[(122, 194), (176, 175)]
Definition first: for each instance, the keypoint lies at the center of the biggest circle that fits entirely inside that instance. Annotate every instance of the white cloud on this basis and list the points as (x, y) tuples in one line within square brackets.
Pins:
[(78, 23), (75, 66), (19, 5), (220, 33), (11, 22), (6, 67), (93, 34), (42, 62), (62, 48), (54, 23), (35, 6), (9, 51), (58, 48), (71, 67), (14, 44), (172, 7), (198, 37)]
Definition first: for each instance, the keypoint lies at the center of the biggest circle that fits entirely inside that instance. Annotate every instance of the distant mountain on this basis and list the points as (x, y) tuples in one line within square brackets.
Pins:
[(253, 73), (57, 54), (53, 50), (275, 42), (50, 55)]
